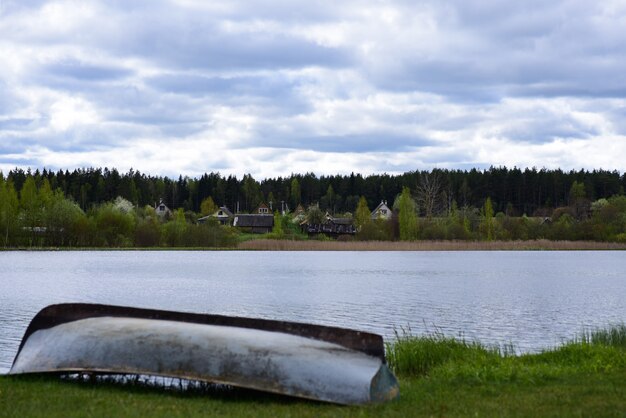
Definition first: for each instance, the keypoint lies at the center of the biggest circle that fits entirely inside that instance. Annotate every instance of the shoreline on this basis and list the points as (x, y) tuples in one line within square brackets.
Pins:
[(531, 245), (313, 245), (437, 375)]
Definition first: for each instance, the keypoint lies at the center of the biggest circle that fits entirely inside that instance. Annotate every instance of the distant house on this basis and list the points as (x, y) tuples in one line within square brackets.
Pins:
[(162, 210), (299, 214), (223, 215), (382, 211), (340, 226), (255, 223), (263, 209), (271, 207), (332, 226)]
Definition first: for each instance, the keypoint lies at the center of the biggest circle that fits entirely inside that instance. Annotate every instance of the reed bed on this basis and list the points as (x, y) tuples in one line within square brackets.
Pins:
[(614, 336), (312, 245), (419, 355), (436, 355)]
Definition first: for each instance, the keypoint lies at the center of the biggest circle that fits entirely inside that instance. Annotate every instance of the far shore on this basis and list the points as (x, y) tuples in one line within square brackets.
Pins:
[(262, 244), (531, 245)]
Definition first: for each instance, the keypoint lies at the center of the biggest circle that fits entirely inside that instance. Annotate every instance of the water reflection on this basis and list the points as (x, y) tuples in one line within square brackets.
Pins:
[(531, 299)]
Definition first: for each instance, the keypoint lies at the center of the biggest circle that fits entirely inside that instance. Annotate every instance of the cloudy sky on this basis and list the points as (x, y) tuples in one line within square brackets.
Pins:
[(271, 87)]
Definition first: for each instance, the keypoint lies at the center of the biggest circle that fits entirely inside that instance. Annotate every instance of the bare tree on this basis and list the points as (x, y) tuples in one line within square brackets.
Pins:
[(447, 199), (429, 192)]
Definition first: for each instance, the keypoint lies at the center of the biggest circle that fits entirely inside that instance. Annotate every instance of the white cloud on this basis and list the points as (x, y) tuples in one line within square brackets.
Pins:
[(69, 112), (188, 86)]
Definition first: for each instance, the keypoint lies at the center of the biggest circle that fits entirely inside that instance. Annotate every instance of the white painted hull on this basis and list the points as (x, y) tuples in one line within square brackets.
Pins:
[(259, 359)]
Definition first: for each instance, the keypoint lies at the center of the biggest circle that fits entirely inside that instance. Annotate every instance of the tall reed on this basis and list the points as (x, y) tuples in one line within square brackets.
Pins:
[(314, 245), (614, 336), (433, 353), (418, 355)]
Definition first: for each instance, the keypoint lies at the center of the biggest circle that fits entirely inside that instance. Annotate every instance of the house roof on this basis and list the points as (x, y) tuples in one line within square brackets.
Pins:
[(381, 207), (263, 208), (338, 221), (226, 211), (161, 208), (254, 220)]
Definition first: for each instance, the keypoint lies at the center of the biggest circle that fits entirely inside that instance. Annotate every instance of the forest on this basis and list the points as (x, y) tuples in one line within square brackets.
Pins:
[(103, 207), (530, 191)]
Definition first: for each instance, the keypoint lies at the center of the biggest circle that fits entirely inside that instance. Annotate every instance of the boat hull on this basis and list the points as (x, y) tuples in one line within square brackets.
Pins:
[(262, 359)]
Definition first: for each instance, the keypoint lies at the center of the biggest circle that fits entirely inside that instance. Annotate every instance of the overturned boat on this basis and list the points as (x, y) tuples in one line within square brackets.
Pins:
[(309, 361)]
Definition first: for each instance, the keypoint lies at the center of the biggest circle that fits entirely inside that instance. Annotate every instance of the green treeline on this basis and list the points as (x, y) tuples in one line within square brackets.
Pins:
[(513, 191), (103, 208)]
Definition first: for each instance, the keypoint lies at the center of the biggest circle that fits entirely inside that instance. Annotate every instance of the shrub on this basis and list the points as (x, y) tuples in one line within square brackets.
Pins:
[(148, 233), (210, 235), (114, 227), (376, 230)]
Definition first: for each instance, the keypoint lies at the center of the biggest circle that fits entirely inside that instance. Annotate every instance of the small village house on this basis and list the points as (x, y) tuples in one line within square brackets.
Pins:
[(299, 215), (263, 209), (223, 215), (162, 210), (332, 226), (382, 211), (254, 222)]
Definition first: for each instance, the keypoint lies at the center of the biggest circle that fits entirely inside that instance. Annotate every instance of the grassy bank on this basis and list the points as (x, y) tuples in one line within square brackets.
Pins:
[(312, 245), (438, 376)]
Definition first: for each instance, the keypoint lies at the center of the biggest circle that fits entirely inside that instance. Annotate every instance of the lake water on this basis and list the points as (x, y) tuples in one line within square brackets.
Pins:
[(534, 300)]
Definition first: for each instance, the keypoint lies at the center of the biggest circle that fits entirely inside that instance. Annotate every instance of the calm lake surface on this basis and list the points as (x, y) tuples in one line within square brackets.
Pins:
[(534, 300)]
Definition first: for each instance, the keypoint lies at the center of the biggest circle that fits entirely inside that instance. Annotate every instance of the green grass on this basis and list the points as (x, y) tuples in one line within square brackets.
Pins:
[(614, 336), (419, 356), (439, 376)]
